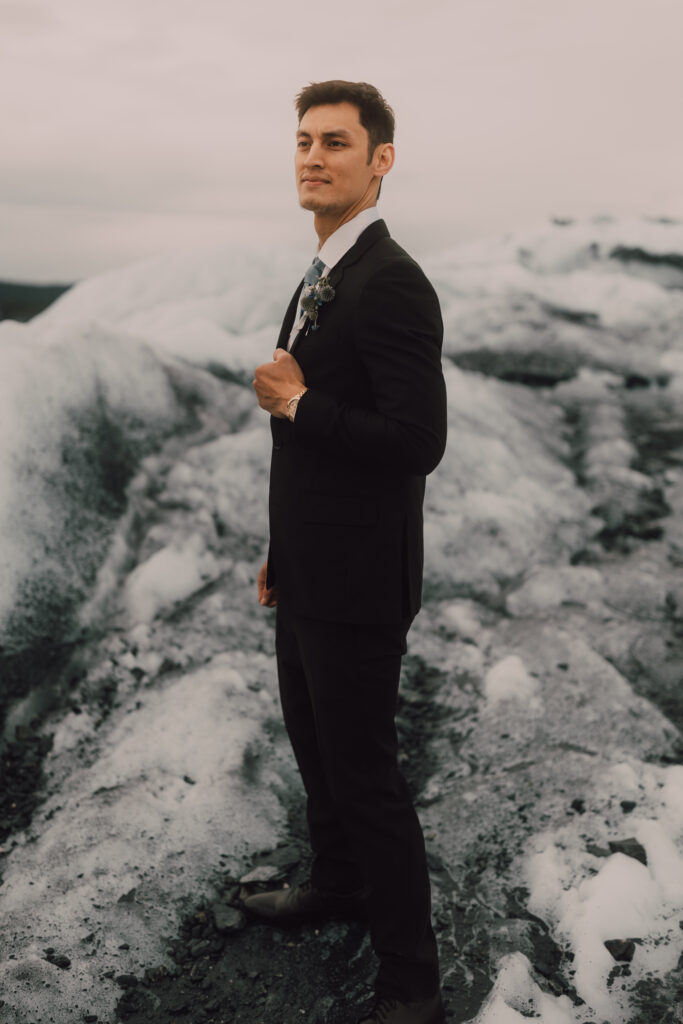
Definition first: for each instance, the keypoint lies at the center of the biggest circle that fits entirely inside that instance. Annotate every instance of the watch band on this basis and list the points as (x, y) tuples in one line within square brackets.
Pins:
[(293, 404)]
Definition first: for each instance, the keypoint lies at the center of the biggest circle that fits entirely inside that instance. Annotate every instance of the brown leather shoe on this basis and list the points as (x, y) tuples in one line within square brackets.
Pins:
[(391, 1011), (302, 903)]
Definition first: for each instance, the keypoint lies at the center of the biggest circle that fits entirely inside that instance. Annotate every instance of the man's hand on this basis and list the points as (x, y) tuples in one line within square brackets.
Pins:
[(267, 595), (275, 383)]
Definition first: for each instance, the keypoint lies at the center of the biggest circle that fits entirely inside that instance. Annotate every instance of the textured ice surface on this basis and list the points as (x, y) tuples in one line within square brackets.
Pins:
[(187, 769)]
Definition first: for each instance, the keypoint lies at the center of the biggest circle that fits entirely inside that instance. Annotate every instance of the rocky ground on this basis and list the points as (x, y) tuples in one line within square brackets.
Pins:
[(620, 598)]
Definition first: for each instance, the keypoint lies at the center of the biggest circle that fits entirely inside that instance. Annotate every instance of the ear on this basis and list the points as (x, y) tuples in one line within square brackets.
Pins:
[(383, 159)]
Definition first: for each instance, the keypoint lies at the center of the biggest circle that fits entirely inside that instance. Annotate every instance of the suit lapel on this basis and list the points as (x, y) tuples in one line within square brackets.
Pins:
[(367, 238)]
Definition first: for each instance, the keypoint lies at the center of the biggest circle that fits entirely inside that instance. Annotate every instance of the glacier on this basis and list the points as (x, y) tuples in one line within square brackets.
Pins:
[(545, 666)]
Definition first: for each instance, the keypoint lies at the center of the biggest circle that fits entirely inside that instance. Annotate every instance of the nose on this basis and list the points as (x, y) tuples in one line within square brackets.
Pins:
[(314, 155)]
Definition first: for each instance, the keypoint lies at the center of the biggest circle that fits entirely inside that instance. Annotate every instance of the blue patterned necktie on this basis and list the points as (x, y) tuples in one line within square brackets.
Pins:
[(314, 272), (311, 276)]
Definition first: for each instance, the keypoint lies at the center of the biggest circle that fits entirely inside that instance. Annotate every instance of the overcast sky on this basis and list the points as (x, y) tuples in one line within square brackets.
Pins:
[(132, 127)]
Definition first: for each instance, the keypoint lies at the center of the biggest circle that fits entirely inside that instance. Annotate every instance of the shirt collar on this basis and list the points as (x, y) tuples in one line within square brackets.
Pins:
[(341, 240)]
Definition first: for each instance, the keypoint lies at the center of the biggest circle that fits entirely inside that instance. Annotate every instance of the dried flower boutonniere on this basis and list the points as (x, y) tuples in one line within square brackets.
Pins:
[(313, 298)]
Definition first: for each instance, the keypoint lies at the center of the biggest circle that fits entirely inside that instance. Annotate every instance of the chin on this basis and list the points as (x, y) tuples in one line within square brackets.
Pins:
[(316, 205), (308, 203), (311, 202)]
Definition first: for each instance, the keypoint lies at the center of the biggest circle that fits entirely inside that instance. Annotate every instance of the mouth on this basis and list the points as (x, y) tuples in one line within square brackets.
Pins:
[(314, 181)]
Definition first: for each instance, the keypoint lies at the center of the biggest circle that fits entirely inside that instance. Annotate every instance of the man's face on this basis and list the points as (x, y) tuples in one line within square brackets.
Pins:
[(332, 171)]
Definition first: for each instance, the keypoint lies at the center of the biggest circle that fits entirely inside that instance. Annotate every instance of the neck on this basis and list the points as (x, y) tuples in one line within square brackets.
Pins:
[(326, 223)]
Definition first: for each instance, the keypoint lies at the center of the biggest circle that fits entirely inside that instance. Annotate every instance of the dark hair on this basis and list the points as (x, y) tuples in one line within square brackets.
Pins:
[(375, 114)]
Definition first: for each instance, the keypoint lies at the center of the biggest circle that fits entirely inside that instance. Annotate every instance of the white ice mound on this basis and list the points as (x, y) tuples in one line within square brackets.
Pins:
[(79, 407), (501, 500), (94, 383), (217, 306), (539, 305)]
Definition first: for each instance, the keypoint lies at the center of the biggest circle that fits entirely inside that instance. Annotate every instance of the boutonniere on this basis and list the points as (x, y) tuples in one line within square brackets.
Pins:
[(313, 298)]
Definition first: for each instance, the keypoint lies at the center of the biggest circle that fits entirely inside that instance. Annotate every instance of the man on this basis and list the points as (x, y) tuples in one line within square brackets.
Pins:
[(357, 401)]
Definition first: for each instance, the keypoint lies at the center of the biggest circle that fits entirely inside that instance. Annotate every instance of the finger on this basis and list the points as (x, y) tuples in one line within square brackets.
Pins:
[(261, 578)]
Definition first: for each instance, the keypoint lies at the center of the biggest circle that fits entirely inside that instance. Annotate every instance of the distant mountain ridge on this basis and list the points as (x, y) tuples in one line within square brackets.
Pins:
[(24, 301)]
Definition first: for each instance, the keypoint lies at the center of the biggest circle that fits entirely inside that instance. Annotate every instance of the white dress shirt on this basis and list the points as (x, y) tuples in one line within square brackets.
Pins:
[(336, 246)]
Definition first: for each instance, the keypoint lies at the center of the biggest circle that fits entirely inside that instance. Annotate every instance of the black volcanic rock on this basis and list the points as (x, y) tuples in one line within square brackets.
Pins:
[(227, 919), (621, 950), (534, 368), (24, 301), (631, 847), (634, 254)]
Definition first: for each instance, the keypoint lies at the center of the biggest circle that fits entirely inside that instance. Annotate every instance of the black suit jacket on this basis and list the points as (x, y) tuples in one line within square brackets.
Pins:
[(348, 475)]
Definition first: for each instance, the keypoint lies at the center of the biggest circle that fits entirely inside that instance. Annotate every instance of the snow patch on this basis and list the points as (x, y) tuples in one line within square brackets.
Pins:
[(515, 998), (624, 898), (168, 576), (509, 680), (550, 586)]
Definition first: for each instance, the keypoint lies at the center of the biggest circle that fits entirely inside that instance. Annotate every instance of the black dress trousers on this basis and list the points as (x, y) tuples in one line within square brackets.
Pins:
[(339, 689)]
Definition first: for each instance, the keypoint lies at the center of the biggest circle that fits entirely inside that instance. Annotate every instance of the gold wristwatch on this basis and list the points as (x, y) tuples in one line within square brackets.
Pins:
[(292, 404)]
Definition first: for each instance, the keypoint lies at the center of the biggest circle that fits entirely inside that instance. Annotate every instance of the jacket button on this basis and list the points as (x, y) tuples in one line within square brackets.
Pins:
[(277, 447)]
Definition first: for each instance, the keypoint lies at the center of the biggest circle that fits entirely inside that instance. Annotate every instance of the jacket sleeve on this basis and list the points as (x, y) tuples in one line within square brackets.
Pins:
[(398, 334)]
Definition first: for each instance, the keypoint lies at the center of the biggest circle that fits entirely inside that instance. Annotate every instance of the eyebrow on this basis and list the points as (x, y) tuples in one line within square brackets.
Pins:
[(326, 135)]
